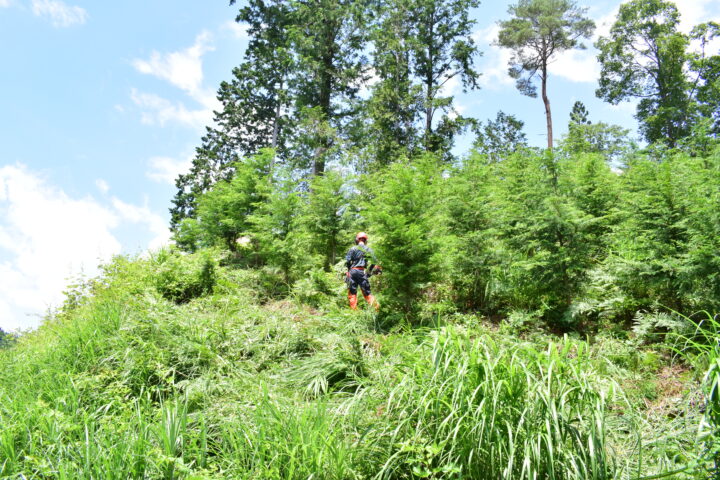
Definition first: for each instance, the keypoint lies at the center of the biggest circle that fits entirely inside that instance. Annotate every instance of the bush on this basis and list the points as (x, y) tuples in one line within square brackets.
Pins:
[(318, 288), (406, 214), (181, 277)]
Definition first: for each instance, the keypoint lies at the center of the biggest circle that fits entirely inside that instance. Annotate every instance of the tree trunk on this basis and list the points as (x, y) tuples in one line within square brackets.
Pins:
[(546, 101), (428, 112), (324, 103), (276, 130), (325, 95), (276, 124), (429, 83)]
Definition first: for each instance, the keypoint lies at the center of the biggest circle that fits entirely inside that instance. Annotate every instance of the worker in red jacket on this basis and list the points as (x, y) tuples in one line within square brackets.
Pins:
[(361, 263)]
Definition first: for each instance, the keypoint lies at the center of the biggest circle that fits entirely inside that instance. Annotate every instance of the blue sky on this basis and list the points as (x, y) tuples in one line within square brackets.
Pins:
[(103, 104)]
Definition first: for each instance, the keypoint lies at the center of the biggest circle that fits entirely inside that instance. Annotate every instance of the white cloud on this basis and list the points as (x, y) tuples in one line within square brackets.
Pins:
[(580, 66), (48, 237), (59, 13), (102, 185), (628, 106), (166, 169), (184, 70), (4, 3), (365, 88), (457, 111), (451, 87), (604, 23), (160, 111), (143, 215), (697, 11), (494, 65), (239, 30), (45, 237)]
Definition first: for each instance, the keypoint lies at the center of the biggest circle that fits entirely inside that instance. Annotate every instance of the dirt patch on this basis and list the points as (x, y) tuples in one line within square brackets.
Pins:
[(370, 346), (676, 394), (295, 312)]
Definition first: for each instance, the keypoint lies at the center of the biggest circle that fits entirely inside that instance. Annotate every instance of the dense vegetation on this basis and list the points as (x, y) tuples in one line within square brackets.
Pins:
[(142, 375), (559, 236), (546, 313)]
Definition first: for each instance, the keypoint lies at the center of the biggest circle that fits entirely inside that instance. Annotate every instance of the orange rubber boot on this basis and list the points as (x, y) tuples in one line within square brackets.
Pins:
[(353, 301), (370, 299)]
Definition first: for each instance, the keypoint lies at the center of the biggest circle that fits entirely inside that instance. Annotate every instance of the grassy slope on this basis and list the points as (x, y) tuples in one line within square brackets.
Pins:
[(126, 384)]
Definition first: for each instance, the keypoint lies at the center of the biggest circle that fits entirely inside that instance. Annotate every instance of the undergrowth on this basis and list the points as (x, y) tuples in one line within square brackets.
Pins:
[(146, 376)]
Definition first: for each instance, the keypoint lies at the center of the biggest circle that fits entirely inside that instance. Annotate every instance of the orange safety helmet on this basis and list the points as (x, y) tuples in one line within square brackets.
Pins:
[(362, 236)]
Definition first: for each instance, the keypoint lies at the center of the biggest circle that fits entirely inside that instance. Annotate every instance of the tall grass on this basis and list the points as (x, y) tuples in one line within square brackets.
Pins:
[(702, 349), (474, 408), (285, 440)]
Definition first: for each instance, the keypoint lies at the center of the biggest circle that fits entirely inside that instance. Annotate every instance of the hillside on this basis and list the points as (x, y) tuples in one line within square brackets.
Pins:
[(185, 366)]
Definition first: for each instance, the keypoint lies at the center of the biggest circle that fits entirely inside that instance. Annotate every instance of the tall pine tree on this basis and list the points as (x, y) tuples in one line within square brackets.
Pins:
[(538, 31)]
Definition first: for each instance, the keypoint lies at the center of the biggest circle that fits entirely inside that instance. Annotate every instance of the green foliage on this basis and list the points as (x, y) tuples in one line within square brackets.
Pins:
[(469, 222), (472, 407), (181, 278), (325, 220), (338, 368), (538, 30), (645, 57), (526, 231), (559, 237), (700, 347), (707, 69), (585, 137), (252, 115), (327, 38), (127, 384), (500, 137), (650, 326), (420, 45), (6, 339), (660, 248), (272, 227), (442, 48), (579, 114), (396, 101), (319, 288), (407, 223), (223, 212), (611, 141), (548, 225)]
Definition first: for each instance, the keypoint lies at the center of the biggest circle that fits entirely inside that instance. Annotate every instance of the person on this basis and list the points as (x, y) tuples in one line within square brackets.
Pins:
[(358, 271)]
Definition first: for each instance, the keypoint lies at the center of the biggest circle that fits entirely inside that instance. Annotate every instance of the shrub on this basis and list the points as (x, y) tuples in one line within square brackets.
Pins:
[(406, 214), (318, 288), (182, 277)]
